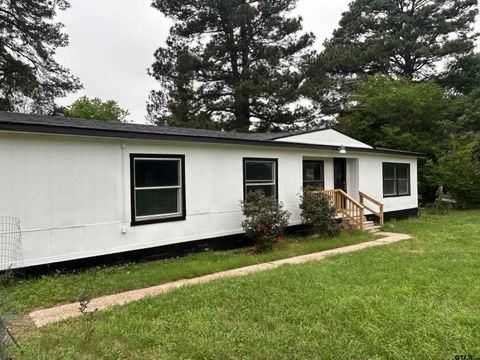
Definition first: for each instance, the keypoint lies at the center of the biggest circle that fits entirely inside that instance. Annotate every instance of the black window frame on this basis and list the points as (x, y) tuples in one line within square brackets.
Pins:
[(322, 162), (183, 203), (244, 164), (396, 179)]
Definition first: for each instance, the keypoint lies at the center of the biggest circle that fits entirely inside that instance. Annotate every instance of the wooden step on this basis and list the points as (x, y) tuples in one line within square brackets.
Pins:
[(374, 229), (368, 224), (371, 227)]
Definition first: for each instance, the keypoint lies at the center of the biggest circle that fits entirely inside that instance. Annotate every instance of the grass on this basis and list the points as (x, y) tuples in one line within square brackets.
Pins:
[(417, 299), (62, 288)]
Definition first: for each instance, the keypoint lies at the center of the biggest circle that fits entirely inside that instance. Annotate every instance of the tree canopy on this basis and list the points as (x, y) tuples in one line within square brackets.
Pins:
[(463, 75), (30, 78), (96, 109), (399, 114), (457, 168), (400, 38), (470, 119), (423, 117), (233, 61)]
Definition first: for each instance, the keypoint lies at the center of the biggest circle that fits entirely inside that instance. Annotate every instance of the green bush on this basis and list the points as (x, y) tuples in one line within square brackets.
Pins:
[(457, 170), (318, 214), (265, 220), (7, 278), (443, 203)]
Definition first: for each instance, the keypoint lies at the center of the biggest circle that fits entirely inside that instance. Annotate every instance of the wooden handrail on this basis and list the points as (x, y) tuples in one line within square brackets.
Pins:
[(349, 208), (369, 198), (380, 213), (350, 198), (343, 193)]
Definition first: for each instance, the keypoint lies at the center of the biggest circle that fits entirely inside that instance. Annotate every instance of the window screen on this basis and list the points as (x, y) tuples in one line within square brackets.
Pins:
[(396, 179), (260, 174), (313, 174), (158, 189)]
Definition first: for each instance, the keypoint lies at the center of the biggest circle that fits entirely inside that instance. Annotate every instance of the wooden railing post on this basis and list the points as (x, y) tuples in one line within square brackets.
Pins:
[(362, 214), (348, 208), (380, 213), (382, 216)]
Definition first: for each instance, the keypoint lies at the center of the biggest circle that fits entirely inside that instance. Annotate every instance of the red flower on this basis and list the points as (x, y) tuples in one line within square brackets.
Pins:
[(265, 230), (279, 237), (344, 226)]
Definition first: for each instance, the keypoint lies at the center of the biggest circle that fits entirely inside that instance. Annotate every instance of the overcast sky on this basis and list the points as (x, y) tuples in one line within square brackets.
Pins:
[(112, 44)]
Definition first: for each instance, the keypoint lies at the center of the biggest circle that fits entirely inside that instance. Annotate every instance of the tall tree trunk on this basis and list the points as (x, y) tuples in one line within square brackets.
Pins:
[(242, 97), (409, 68), (242, 110)]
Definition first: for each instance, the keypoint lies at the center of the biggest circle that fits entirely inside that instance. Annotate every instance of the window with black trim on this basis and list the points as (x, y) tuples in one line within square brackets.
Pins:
[(396, 179), (260, 174), (158, 188), (313, 174)]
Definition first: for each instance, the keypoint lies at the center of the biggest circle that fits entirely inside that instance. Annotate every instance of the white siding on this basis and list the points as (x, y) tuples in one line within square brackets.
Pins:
[(371, 180), (325, 137), (353, 178), (72, 194)]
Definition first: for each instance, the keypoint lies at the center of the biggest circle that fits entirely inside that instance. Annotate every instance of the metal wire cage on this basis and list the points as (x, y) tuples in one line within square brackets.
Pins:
[(11, 261), (11, 253), (11, 265)]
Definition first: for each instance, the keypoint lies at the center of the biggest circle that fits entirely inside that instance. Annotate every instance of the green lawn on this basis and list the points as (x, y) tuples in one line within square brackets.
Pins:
[(418, 299), (60, 288)]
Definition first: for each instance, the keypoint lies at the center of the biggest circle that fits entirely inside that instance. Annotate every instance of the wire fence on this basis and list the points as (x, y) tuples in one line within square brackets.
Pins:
[(11, 251), (11, 270)]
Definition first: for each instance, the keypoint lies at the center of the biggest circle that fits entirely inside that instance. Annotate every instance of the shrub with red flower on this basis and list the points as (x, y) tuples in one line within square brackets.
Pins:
[(318, 214), (265, 220), (345, 226)]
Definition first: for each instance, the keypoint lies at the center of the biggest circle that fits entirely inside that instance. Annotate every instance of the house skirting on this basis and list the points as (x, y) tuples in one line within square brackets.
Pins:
[(397, 215), (174, 250)]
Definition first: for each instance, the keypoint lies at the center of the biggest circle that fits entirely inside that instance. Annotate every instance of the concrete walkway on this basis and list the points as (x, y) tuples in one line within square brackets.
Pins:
[(58, 313)]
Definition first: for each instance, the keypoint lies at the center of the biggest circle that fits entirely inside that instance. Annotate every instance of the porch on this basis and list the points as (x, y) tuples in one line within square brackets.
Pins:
[(352, 211)]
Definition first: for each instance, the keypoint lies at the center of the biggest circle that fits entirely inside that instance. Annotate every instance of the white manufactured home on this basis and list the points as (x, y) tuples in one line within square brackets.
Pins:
[(84, 188)]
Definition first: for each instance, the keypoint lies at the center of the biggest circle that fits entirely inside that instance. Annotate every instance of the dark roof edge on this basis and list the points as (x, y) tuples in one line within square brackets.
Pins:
[(68, 130)]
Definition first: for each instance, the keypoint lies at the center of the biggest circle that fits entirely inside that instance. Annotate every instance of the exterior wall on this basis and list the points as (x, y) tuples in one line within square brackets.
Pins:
[(365, 173), (327, 167), (326, 137), (353, 178), (72, 194), (371, 180)]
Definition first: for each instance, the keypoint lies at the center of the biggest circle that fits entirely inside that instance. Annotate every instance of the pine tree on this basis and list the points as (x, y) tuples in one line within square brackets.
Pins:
[(463, 75), (30, 78), (231, 61), (406, 38)]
